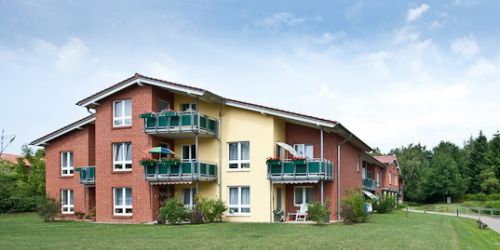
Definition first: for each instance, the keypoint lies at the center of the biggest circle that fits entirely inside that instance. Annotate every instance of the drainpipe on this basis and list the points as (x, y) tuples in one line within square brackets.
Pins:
[(219, 137), (338, 175), (321, 146)]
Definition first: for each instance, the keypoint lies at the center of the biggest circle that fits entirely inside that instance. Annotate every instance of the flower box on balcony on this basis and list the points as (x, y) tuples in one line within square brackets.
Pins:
[(146, 115), (171, 162), (148, 162)]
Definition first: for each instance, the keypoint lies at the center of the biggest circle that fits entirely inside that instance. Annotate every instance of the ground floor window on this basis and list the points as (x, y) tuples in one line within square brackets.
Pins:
[(188, 197), (302, 195), (67, 205), (239, 200), (122, 201)]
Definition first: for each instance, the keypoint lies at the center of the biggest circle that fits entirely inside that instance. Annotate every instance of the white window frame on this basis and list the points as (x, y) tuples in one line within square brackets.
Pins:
[(378, 179), (70, 207), (304, 194), (191, 146), (304, 146), (239, 161), (193, 107), (68, 165), (123, 162), (124, 117), (390, 178), (192, 194), (124, 205), (239, 206)]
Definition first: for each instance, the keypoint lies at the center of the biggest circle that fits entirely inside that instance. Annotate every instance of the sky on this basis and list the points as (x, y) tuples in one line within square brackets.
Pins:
[(393, 72)]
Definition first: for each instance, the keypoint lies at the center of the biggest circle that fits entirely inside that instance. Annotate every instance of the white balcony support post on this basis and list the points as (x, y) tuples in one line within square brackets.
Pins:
[(321, 191)]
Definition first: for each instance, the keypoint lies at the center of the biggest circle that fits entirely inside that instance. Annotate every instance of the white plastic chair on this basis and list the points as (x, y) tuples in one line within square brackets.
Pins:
[(302, 212)]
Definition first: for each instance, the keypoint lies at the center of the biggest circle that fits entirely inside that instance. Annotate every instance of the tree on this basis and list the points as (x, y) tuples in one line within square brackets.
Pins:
[(494, 154), (414, 163), (376, 152), (477, 162), (443, 178), (5, 141)]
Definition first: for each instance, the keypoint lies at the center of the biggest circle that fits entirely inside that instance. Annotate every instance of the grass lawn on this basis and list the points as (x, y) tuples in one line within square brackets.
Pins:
[(386, 231)]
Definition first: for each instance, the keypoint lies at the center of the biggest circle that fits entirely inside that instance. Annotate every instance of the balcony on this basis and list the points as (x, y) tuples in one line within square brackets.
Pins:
[(179, 123), (180, 172), (87, 175), (369, 184), (297, 171)]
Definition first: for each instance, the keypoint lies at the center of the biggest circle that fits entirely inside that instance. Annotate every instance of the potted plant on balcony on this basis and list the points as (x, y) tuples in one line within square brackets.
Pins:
[(273, 161), (299, 160), (147, 162), (279, 215), (171, 161)]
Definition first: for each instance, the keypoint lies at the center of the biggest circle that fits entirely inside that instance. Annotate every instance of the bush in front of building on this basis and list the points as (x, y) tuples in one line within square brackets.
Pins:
[(352, 208), (385, 204), (319, 213), (174, 212), (48, 209), (211, 209)]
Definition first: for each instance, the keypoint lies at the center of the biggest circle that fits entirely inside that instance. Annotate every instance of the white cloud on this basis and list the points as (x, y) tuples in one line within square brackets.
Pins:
[(482, 68), (414, 14), (71, 55), (466, 46), (279, 20)]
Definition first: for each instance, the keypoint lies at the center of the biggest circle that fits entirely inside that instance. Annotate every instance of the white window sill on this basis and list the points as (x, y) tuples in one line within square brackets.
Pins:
[(122, 170), (124, 215), (239, 170), (67, 175), (239, 215), (68, 213)]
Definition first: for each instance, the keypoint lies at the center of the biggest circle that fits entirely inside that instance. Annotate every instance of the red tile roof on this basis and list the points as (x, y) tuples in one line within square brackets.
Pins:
[(386, 159), (12, 158)]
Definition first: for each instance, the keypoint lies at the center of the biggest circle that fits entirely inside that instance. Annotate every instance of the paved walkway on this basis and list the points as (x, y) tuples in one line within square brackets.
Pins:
[(492, 222)]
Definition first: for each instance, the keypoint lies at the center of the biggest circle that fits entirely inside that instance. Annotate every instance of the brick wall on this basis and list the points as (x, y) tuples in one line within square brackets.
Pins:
[(350, 163), (78, 143)]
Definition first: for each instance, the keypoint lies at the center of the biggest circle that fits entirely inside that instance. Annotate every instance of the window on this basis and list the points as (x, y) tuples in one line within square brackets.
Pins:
[(304, 150), (122, 156), (390, 178), (67, 205), (122, 200), (122, 113), (279, 195), (163, 105), (278, 151), (188, 197), (378, 179), (239, 155), (189, 107), (188, 152), (239, 200), (67, 163), (302, 195)]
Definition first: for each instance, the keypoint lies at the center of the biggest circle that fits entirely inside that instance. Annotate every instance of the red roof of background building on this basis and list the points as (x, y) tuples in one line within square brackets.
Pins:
[(12, 158), (386, 159)]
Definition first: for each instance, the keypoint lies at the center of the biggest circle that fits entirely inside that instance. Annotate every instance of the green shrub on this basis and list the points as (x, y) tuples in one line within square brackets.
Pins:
[(48, 209), (492, 204), (79, 215), (174, 211), (211, 210), (196, 216), (385, 204), (352, 208), (494, 197), (473, 204), (319, 213), (476, 197)]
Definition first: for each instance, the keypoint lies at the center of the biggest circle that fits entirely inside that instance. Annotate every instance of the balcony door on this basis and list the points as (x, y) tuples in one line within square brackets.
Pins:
[(188, 153)]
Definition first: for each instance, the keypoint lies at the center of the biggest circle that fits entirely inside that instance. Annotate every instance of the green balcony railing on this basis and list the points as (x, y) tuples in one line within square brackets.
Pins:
[(178, 122), (87, 175), (293, 170), (182, 171), (369, 184)]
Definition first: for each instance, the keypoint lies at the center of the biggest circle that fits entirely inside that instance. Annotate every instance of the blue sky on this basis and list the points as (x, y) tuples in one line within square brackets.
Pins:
[(394, 72)]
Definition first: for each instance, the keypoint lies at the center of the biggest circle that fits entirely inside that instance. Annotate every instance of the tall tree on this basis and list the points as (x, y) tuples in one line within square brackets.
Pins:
[(494, 156), (478, 161)]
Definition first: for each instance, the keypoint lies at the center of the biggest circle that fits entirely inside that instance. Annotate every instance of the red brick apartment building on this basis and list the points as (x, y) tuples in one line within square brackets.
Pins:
[(222, 145)]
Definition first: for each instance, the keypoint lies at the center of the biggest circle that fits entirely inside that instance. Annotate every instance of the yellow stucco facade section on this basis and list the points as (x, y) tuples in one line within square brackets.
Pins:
[(238, 125)]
